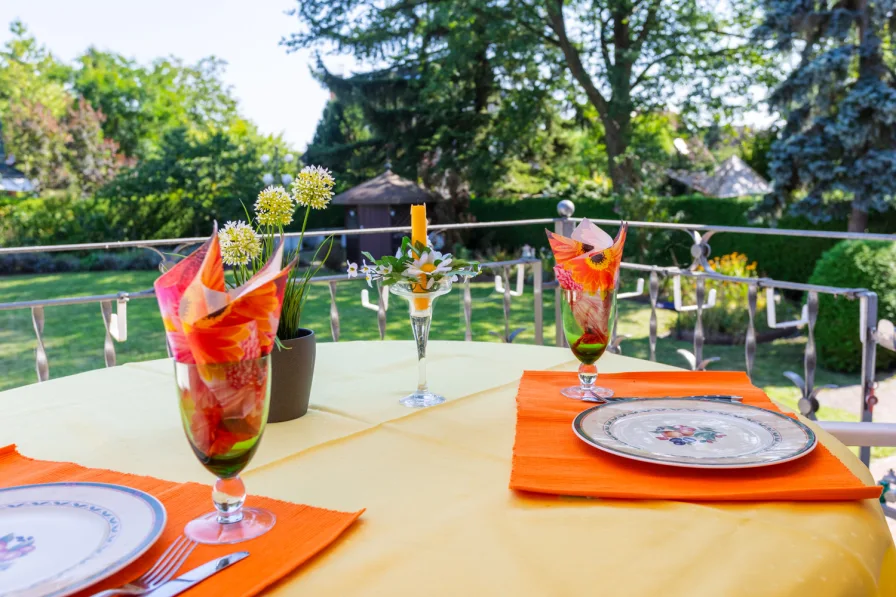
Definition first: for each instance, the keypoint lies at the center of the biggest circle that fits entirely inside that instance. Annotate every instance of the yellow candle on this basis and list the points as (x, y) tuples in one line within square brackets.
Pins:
[(418, 235), (418, 224)]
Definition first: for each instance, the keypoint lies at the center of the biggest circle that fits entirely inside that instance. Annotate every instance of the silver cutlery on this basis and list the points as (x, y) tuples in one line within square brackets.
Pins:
[(162, 571), (711, 397), (197, 575)]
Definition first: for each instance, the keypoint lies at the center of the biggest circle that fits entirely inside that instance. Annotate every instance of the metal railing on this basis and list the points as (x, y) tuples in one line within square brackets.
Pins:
[(862, 434)]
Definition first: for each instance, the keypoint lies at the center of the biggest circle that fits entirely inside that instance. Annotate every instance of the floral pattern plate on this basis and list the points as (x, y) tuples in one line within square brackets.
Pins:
[(58, 538), (694, 433)]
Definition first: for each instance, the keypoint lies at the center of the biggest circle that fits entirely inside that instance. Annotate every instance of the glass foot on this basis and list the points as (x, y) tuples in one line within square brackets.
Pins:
[(422, 399), (207, 529), (592, 394)]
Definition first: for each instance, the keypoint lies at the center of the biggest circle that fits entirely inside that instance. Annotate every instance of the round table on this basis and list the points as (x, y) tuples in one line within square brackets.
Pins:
[(440, 518)]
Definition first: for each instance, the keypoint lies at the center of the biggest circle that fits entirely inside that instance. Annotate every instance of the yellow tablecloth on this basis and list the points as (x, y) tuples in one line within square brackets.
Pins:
[(440, 519)]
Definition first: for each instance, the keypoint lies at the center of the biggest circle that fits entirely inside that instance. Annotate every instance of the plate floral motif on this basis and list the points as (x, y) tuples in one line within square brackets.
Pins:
[(13, 547), (683, 435)]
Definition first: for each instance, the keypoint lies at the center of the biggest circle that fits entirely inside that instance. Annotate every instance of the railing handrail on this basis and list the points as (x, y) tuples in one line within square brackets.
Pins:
[(130, 244), (666, 271)]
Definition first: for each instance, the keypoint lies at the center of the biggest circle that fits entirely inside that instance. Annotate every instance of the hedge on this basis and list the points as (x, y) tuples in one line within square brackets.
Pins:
[(853, 264), (782, 258)]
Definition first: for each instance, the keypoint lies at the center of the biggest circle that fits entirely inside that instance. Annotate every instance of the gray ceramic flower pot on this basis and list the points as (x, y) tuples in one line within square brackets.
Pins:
[(291, 374)]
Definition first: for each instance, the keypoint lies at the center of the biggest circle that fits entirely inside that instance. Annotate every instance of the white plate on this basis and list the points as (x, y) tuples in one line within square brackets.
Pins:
[(694, 433), (58, 538)]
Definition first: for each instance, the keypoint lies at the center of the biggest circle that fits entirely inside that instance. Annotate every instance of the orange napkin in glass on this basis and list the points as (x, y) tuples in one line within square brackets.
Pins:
[(207, 323), (549, 458), (300, 533)]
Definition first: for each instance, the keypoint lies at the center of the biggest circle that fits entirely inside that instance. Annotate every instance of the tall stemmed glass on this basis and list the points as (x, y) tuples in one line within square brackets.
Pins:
[(586, 323), (421, 304), (224, 408)]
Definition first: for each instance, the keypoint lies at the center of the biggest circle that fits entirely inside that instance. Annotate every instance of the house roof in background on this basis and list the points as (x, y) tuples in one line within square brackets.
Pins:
[(386, 189), (733, 178), (13, 180)]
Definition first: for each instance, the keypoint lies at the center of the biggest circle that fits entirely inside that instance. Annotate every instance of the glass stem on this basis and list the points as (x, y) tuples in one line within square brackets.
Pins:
[(229, 496), (587, 377), (420, 323)]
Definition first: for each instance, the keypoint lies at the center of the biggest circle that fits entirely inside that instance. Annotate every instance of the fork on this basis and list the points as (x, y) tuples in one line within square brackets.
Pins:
[(162, 571)]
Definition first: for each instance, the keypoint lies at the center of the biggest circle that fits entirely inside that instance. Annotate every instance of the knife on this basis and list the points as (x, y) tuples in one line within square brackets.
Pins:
[(713, 397), (196, 575)]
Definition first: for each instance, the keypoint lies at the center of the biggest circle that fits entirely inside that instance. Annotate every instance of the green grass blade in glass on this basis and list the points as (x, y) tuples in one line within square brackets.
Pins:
[(586, 322), (224, 409)]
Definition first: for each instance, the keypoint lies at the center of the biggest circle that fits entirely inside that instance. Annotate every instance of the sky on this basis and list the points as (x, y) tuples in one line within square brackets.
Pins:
[(275, 89)]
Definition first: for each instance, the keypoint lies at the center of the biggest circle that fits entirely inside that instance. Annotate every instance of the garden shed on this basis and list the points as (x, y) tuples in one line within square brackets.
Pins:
[(380, 202)]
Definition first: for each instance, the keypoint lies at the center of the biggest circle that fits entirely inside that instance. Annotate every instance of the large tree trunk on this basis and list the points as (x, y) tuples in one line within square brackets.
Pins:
[(858, 220), (622, 167), (615, 111)]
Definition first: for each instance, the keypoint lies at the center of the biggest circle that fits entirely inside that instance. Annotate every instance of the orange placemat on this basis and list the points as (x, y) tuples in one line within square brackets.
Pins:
[(300, 533), (549, 458)]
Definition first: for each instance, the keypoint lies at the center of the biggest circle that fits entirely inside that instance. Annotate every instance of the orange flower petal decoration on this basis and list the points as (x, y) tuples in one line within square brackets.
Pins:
[(565, 248), (598, 271), (205, 323)]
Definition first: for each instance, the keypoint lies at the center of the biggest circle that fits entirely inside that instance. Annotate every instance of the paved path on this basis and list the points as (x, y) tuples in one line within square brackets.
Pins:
[(848, 398)]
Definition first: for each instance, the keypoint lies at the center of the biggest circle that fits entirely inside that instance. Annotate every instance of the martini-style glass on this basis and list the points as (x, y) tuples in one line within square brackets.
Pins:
[(224, 408), (421, 304), (586, 323)]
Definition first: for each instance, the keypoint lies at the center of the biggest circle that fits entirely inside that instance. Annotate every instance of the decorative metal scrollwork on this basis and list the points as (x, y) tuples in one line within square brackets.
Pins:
[(334, 312), (692, 360), (886, 334), (700, 250)]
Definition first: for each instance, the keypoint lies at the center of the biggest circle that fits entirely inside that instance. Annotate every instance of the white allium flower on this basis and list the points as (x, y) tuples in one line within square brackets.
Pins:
[(239, 243), (274, 207), (313, 187)]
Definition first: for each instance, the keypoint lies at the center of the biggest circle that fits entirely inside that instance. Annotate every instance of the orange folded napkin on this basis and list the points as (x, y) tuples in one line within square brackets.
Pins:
[(300, 533), (205, 322), (549, 458)]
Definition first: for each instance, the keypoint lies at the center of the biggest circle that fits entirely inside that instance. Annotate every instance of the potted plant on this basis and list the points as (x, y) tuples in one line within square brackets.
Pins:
[(246, 247)]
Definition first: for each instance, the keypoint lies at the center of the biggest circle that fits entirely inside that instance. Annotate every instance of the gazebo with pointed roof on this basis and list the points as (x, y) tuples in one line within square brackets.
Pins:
[(380, 202)]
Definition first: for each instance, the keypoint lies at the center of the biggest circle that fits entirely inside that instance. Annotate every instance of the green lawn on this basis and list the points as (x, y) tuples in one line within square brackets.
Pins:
[(74, 334)]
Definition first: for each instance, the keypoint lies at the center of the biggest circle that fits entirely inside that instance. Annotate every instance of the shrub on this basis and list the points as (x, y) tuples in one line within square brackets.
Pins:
[(53, 219), (46, 263), (853, 264)]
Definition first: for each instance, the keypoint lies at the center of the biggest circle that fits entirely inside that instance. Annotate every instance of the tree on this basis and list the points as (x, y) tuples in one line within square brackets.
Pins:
[(92, 158), (28, 72), (61, 153), (342, 143), (142, 103), (837, 151), (192, 180), (39, 142), (621, 57)]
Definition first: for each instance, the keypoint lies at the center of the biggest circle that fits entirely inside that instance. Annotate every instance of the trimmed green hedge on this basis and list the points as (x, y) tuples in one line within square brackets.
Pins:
[(781, 258), (853, 264)]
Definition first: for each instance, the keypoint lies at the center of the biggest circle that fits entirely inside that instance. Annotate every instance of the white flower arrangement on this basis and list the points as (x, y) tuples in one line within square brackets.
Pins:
[(246, 246), (415, 264)]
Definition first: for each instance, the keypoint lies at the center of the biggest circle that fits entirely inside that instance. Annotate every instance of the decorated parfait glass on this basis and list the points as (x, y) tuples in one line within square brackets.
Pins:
[(224, 408)]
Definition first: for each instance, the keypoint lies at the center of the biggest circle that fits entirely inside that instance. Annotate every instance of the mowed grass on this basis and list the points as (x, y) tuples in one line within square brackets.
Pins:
[(74, 334)]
